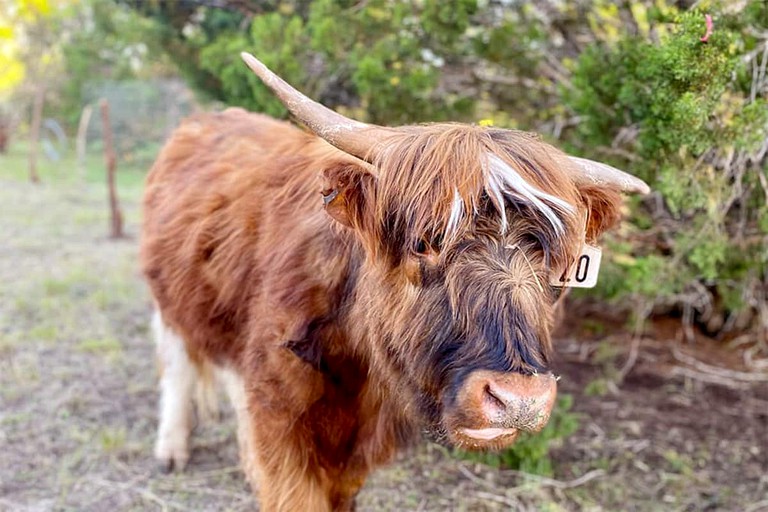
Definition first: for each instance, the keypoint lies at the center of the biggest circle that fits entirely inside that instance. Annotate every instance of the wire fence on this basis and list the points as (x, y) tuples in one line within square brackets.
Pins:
[(143, 113)]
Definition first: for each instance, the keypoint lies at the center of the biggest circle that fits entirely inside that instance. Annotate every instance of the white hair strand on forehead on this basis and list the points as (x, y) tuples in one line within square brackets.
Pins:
[(457, 212), (505, 180)]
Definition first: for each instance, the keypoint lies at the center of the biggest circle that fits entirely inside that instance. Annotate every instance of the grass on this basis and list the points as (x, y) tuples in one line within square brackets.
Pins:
[(103, 345), (67, 171)]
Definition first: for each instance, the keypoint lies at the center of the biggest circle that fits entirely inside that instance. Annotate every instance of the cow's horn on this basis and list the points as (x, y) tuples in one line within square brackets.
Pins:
[(348, 135), (597, 173)]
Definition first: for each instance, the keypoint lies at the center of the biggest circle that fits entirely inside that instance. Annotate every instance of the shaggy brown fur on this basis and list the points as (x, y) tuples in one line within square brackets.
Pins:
[(352, 336)]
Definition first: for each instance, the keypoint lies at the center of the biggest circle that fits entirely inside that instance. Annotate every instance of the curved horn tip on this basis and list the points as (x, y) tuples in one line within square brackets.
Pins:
[(635, 185), (642, 188), (255, 64), (599, 172), (248, 58)]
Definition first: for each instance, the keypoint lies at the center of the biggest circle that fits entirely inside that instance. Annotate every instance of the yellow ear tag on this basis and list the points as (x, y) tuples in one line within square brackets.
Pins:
[(582, 273)]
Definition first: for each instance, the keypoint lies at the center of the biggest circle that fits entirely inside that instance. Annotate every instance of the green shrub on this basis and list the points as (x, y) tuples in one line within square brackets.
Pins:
[(695, 129)]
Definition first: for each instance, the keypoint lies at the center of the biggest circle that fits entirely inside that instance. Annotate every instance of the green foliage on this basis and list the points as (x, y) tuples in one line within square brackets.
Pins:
[(100, 42), (669, 89), (695, 128), (278, 40), (446, 22), (390, 55), (381, 57), (531, 452)]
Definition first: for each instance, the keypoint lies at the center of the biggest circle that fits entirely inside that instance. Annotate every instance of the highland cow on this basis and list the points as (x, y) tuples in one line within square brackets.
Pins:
[(356, 286)]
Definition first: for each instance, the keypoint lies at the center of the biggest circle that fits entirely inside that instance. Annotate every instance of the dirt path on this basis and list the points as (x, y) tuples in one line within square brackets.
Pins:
[(78, 401)]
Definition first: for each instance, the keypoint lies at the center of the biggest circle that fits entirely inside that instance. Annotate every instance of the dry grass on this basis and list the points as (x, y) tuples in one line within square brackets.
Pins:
[(78, 400)]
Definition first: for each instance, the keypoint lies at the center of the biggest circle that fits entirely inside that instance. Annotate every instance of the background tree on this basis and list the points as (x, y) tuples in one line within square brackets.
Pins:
[(11, 75), (31, 65)]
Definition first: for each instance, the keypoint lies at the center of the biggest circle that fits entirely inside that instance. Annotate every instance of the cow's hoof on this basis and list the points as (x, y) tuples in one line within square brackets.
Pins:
[(171, 456), (165, 466)]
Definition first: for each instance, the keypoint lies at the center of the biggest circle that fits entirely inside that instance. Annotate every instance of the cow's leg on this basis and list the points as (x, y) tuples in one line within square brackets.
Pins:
[(288, 474), (235, 388), (294, 475), (284, 460), (206, 394), (177, 385), (300, 461)]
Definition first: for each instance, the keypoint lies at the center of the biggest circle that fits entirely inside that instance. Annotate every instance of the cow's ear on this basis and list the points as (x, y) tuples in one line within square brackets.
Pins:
[(346, 193), (603, 206)]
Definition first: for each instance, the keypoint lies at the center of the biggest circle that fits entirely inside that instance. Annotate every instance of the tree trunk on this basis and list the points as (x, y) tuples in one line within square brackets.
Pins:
[(82, 132), (116, 216), (34, 134)]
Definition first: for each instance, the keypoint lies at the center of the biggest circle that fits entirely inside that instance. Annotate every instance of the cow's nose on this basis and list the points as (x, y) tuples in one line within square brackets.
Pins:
[(495, 401)]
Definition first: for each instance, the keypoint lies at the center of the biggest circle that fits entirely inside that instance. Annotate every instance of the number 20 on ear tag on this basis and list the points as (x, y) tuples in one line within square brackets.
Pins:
[(583, 271)]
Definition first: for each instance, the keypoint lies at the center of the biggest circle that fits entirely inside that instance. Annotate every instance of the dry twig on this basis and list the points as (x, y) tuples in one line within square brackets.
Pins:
[(141, 491), (544, 481), (717, 371), (757, 507)]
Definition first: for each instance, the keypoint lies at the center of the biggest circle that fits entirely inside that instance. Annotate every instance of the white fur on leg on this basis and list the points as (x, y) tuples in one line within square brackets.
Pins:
[(235, 387), (177, 384), (206, 396)]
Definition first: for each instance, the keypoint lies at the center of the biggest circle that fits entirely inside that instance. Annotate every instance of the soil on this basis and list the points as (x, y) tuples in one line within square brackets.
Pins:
[(78, 400)]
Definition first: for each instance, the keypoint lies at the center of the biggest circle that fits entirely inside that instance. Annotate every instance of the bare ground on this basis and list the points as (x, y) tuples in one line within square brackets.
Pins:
[(78, 401)]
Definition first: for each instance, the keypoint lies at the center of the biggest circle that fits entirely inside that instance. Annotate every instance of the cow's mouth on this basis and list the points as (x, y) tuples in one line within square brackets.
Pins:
[(487, 434), (484, 439)]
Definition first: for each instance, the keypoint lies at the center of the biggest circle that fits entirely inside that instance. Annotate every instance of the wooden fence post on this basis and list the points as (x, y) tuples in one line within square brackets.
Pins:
[(116, 216), (34, 133), (82, 133), (5, 133)]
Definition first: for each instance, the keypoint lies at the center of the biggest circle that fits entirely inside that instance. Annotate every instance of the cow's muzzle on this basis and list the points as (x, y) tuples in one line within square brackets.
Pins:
[(493, 407)]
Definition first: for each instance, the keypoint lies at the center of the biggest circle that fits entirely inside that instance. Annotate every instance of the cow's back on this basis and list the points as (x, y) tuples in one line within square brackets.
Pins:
[(229, 204)]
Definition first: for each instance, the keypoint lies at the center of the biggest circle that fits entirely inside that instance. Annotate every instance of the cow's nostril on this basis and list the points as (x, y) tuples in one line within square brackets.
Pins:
[(494, 400)]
